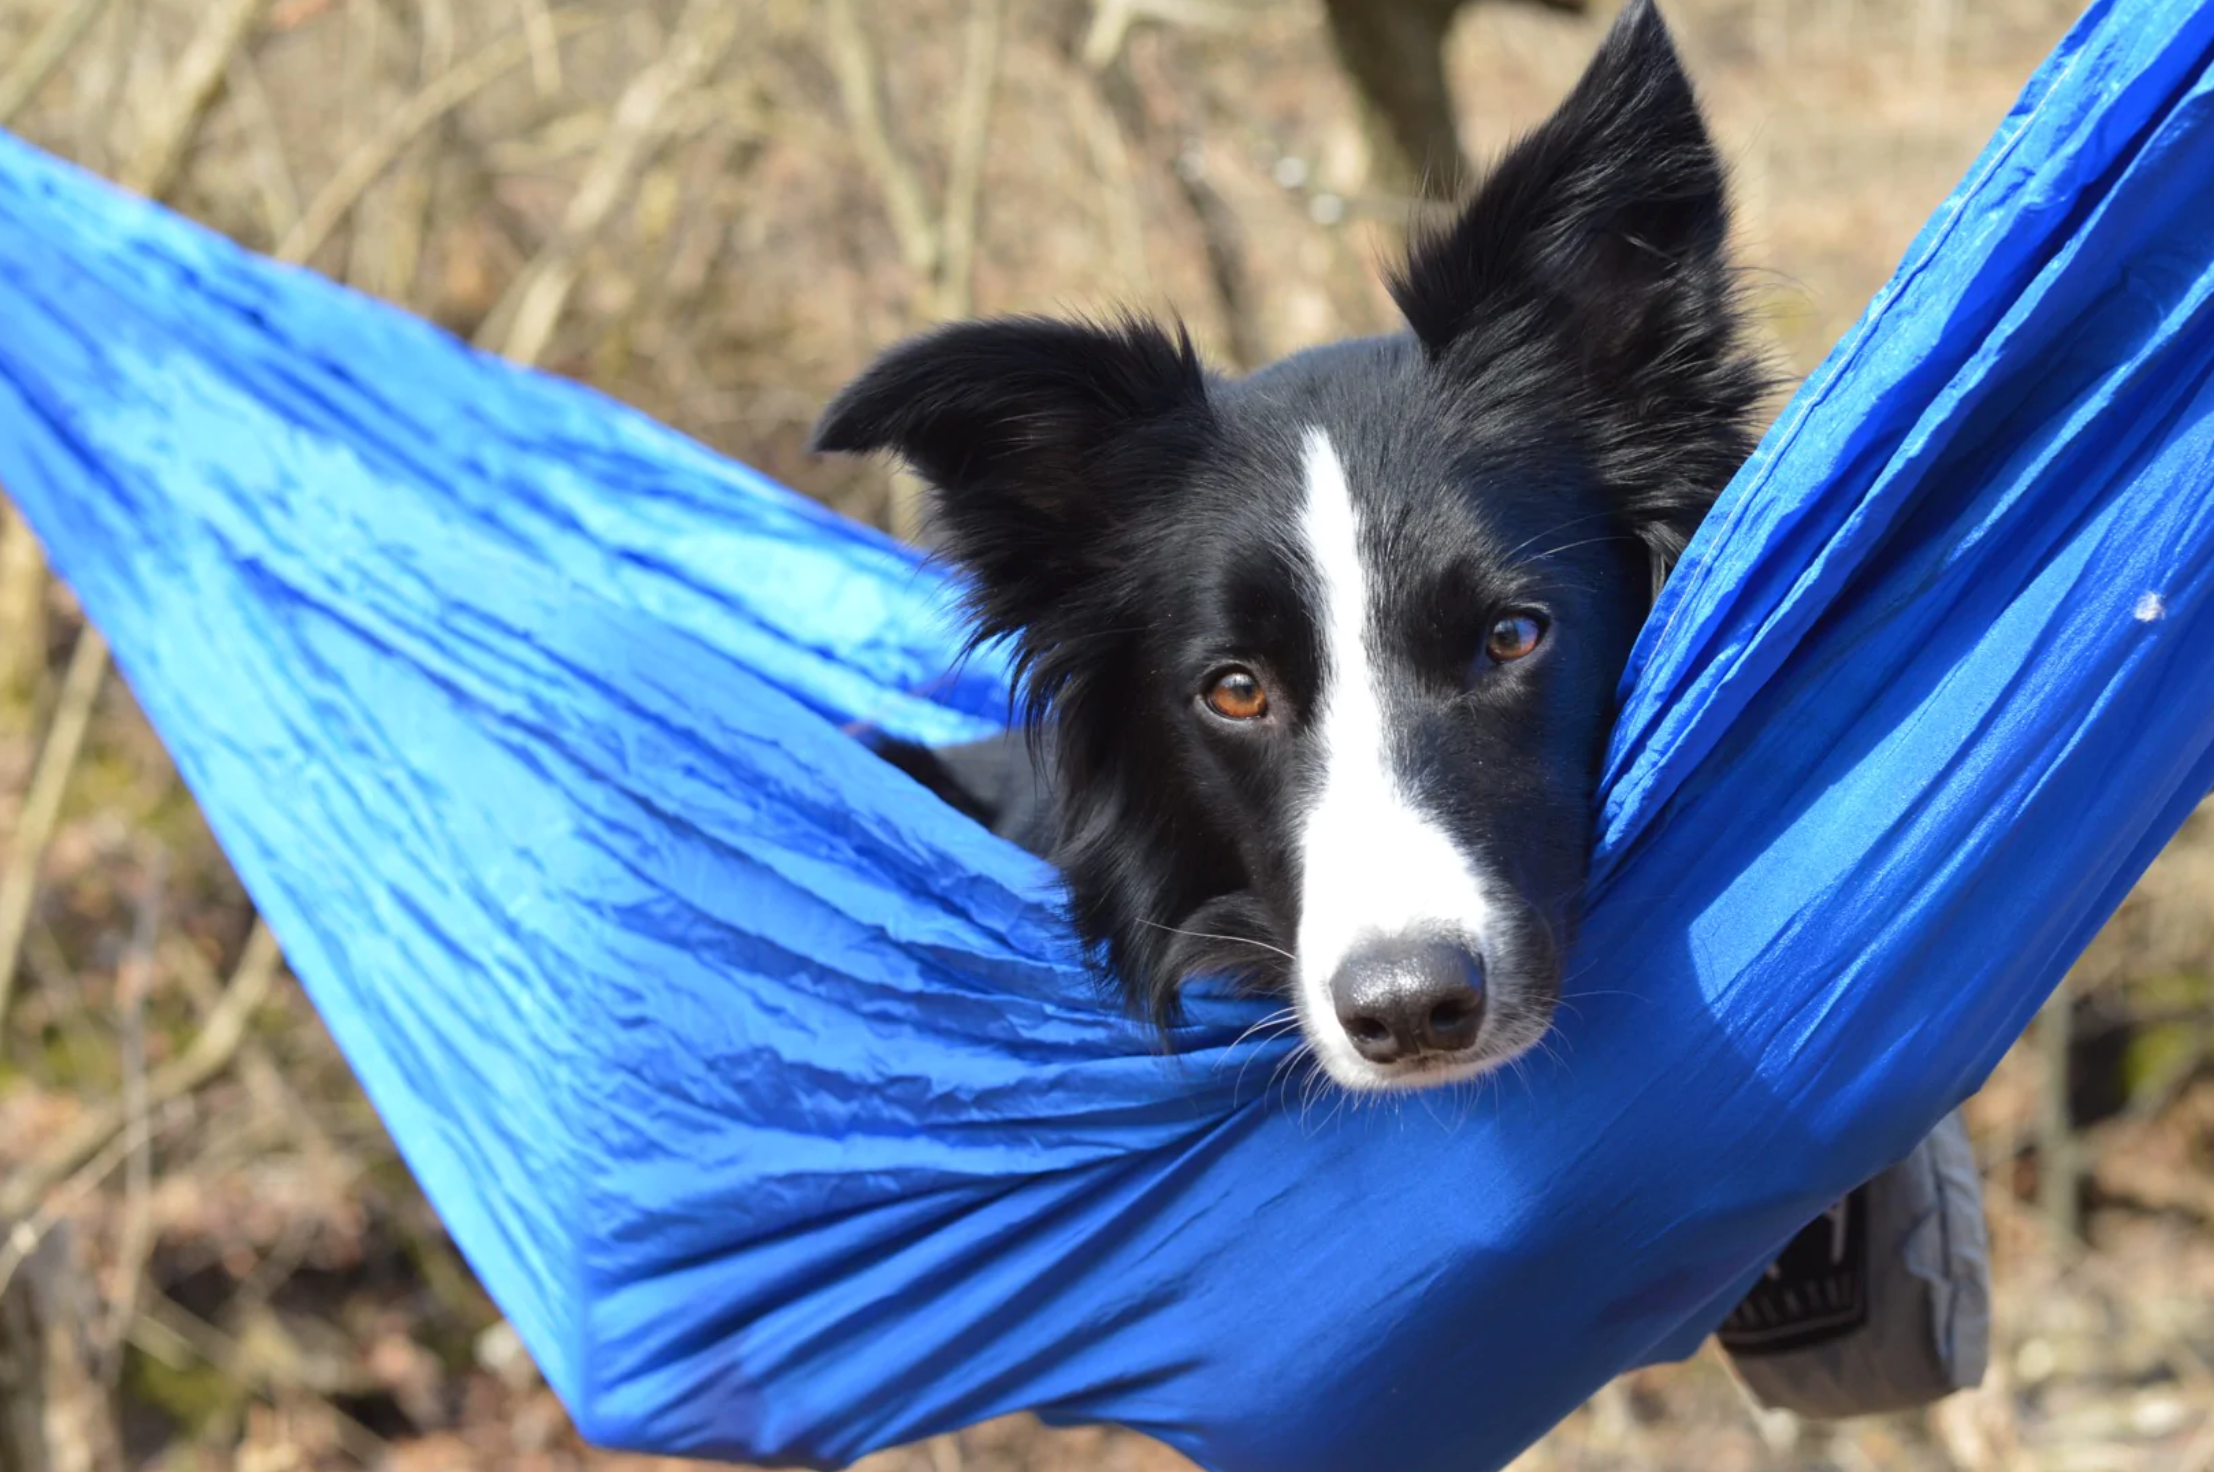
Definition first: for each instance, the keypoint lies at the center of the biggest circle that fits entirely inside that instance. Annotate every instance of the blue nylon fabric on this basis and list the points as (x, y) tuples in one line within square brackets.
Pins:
[(763, 1092)]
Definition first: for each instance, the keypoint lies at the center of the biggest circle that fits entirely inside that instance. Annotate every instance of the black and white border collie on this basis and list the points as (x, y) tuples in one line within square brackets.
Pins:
[(1327, 655)]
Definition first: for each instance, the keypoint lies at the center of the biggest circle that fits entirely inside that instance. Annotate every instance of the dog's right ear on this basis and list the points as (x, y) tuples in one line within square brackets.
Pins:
[(1042, 439), (1608, 228)]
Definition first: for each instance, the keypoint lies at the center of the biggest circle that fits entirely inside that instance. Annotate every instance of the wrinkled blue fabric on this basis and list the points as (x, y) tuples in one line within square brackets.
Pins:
[(762, 1091)]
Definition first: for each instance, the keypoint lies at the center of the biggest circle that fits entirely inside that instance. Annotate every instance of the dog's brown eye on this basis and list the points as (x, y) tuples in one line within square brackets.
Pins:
[(1514, 637), (1236, 695)]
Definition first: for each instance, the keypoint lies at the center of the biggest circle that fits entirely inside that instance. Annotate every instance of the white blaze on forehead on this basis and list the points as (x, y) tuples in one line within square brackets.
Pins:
[(1372, 864)]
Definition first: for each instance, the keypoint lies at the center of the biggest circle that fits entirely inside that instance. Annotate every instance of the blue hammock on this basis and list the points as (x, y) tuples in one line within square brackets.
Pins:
[(763, 1091)]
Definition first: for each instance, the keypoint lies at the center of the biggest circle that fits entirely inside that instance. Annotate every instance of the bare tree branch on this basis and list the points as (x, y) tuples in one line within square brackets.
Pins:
[(191, 88), (134, 982), (2059, 1169), (853, 62), (37, 61), (257, 1067), (22, 619), (436, 20), (265, 1360), (55, 1411), (972, 126), (1112, 19), (209, 1054), (522, 321), (941, 258), (545, 55), (376, 153), (1127, 99), (273, 179), (34, 828), (27, 1233), (1118, 178)]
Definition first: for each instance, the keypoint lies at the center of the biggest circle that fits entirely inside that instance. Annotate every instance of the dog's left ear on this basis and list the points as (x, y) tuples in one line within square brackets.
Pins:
[(1043, 442), (1602, 235)]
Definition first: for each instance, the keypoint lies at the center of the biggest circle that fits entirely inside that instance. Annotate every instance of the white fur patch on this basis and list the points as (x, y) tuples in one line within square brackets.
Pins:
[(1372, 865)]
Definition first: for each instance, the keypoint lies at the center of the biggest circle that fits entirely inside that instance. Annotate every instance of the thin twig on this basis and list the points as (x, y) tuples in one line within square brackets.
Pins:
[(257, 1068), (25, 1233), (545, 56), (358, 70), (56, 1411), (695, 234), (1130, 101), (165, 1328), (972, 126), (273, 181), (1104, 36), (522, 321), (22, 613), (100, 98), (69, 1008), (2059, 1174), (37, 61), (436, 18), (191, 88), (853, 63), (415, 192), (376, 153), (366, 98), (134, 982), (34, 828), (1118, 179), (1112, 19), (209, 1053), (942, 257)]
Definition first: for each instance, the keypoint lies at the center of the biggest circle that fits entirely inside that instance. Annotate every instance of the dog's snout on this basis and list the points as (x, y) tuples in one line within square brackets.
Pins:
[(1399, 1000)]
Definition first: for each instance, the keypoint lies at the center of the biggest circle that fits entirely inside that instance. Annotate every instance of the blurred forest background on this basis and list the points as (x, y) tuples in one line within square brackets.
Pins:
[(717, 210)]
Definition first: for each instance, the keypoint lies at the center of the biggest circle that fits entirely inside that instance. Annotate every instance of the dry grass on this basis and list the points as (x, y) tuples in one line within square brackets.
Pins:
[(718, 211)]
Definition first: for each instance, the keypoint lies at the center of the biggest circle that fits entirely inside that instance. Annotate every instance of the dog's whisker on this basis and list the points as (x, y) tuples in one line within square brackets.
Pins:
[(1242, 940), (1343, 1097), (1237, 1085), (1555, 530), (1277, 1023), (1276, 1020), (1572, 546)]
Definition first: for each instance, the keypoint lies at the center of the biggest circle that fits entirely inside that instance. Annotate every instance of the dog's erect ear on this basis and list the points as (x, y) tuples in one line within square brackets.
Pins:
[(1040, 438), (1613, 207), (1600, 240)]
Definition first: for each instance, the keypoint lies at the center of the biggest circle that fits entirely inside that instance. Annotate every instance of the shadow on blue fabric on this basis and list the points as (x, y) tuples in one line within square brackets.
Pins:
[(764, 1093)]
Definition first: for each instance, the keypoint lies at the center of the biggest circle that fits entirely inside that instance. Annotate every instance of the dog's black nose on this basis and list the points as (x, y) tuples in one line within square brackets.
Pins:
[(1399, 999)]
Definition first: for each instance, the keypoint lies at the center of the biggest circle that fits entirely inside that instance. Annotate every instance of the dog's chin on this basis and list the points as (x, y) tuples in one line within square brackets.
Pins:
[(1513, 1031)]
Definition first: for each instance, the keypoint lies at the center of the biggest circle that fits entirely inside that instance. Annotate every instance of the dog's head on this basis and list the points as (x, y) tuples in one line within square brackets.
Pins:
[(1330, 652)]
